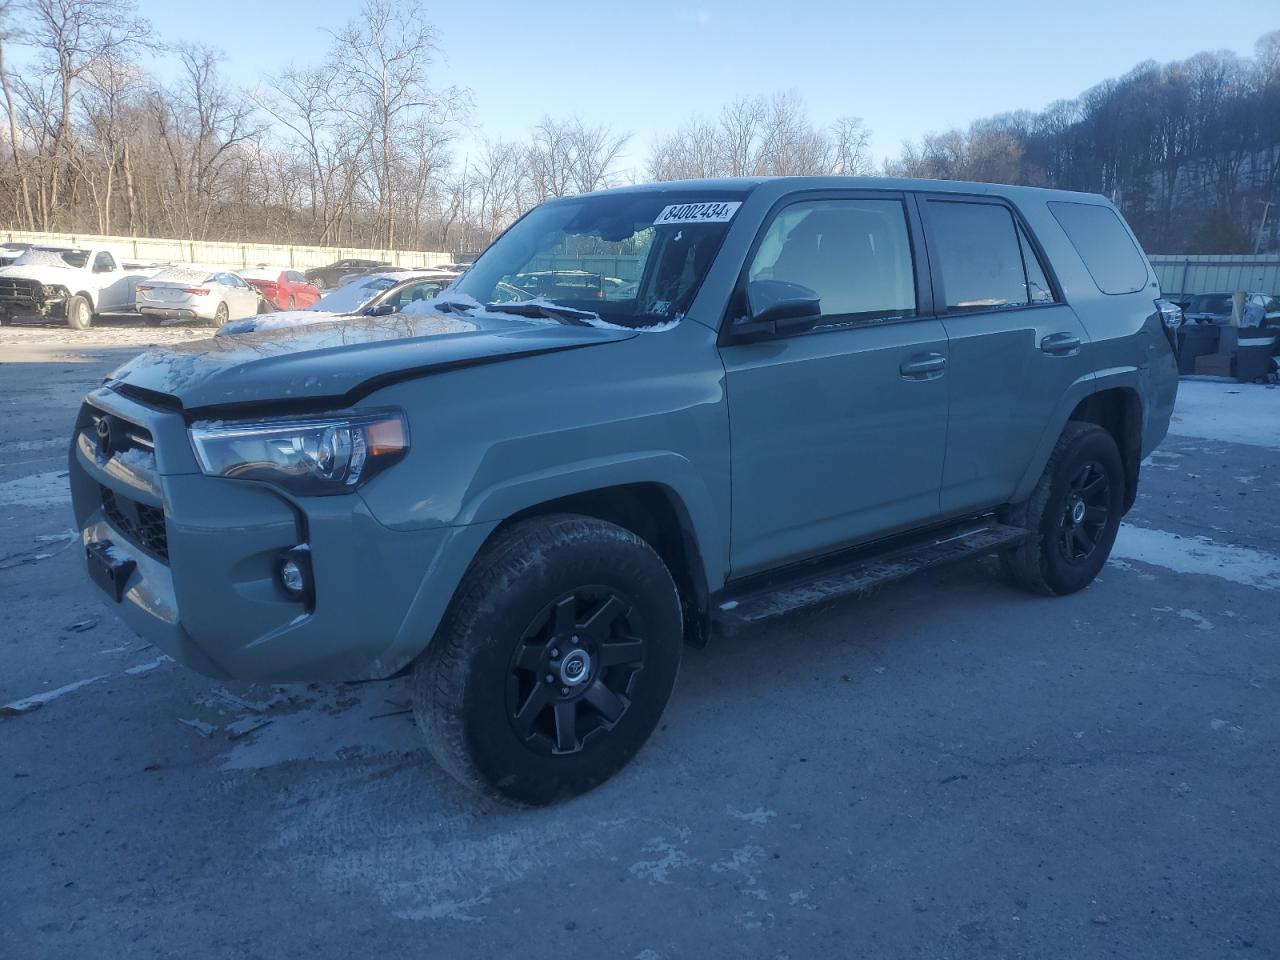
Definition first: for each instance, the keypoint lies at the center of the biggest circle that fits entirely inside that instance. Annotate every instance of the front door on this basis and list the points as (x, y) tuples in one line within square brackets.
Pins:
[(1016, 348), (115, 290), (838, 433)]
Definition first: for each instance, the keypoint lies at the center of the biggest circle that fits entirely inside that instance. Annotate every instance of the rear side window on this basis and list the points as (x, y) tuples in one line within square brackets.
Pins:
[(854, 254), (1108, 252), (987, 262)]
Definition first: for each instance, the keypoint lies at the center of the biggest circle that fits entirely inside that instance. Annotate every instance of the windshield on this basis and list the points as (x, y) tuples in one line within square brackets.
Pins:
[(634, 259), (1218, 304), (353, 296), (53, 257)]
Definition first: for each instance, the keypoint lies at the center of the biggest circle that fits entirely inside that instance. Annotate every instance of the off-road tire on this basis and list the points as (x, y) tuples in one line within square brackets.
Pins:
[(221, 315), (1040, 564), (79, 312), (464, 682)]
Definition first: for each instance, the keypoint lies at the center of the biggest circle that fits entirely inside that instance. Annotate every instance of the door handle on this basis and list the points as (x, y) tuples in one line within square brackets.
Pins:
[(923, 366), (1060, 344)]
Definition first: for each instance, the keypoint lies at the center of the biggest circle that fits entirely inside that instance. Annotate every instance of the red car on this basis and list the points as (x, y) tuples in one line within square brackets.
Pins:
[(285, 289)]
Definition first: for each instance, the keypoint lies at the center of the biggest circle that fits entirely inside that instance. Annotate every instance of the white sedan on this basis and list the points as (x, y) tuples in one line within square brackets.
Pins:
[(193, 293)]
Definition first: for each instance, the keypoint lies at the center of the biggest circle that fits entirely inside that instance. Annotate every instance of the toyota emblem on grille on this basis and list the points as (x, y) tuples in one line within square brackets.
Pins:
[(106, 439)]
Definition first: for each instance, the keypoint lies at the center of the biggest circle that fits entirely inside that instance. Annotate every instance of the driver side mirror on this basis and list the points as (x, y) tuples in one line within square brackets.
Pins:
[(381, 310), (102, 268), (778, 308)]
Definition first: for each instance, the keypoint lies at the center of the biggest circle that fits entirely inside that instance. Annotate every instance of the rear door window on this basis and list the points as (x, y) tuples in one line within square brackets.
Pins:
[(855, 255), (982, 257), (1108, 252)]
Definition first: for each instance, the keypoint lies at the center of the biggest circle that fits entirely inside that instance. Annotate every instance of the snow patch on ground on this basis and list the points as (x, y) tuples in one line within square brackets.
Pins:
[(38, 700), (1230, 412), (1199, 556), (331, 724), (36, 490)]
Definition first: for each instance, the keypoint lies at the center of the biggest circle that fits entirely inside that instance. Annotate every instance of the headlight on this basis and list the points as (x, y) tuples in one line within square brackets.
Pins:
[(312, 456)]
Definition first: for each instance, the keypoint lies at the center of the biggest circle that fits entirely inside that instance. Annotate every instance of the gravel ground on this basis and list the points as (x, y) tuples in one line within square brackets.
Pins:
[(948, 769)]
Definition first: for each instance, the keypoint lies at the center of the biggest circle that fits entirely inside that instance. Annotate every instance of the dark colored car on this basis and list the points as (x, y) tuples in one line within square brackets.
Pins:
[(326, 278)]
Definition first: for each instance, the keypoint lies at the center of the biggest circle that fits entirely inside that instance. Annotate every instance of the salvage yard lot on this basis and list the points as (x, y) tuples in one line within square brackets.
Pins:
[(951, 768)]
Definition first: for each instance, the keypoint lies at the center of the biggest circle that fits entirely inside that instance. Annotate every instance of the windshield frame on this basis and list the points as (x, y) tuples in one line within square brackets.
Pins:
[(661, 198)]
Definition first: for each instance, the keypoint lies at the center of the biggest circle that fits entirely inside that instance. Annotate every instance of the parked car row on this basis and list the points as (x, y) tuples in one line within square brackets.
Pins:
[(78, 284)]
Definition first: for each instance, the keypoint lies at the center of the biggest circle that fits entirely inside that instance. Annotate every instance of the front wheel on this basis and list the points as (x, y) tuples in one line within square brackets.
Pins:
[(79, 313), (554, 662), (1073, 514)]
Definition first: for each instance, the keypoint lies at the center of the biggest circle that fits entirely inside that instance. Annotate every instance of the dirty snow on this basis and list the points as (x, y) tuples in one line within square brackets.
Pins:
[(1198, 555), (1228, 411), (38, 700), (36, 490), (330, 724)]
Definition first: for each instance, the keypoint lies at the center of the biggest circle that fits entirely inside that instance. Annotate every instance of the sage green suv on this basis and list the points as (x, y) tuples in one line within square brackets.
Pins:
[(642, 417)]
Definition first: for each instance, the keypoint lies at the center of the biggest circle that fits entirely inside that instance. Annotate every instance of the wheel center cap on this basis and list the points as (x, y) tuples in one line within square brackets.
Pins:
[(1077, 511), (575, 668)]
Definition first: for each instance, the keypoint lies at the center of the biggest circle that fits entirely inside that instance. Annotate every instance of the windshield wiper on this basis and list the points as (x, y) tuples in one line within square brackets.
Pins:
[(454, 306), (577, 318)]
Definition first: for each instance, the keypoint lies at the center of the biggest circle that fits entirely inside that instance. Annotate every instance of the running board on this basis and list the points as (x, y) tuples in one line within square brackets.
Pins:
[(859, 575)]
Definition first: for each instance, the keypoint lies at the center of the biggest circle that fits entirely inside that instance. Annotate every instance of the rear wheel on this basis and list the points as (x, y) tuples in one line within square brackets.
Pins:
[(554, 662), (293, 303), (79, 312), (1073, 514), (220, 315), (5, 319), (151, 320)]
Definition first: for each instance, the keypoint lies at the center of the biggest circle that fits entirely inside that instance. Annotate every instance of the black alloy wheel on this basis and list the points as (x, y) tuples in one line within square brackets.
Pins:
[(572, 669), (1085, 511)]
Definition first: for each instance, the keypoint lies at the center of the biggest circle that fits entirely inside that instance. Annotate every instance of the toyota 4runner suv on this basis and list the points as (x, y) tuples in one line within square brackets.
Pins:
[(800, 389)]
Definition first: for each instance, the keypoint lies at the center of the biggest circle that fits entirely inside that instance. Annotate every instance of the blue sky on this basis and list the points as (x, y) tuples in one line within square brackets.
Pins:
[(905, 67)]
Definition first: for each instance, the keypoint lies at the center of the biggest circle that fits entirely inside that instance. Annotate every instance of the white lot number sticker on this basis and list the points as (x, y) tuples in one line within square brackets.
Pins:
[(720, 211)]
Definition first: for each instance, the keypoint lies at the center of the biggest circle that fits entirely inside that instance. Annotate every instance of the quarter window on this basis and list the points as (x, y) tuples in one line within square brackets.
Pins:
[(1038, 288), (104, 262), (1108, 252), (855, 255), (987, 261)]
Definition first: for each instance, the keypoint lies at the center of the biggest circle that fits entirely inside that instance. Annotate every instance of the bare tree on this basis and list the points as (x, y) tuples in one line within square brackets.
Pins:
[(70, 37), (200, 122), (382, 61)]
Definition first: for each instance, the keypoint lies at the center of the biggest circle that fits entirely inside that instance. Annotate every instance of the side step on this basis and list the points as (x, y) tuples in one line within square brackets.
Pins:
[(859, 574)]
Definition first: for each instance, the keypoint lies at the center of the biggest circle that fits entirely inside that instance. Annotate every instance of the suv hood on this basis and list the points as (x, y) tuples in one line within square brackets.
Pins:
[(339, 362)]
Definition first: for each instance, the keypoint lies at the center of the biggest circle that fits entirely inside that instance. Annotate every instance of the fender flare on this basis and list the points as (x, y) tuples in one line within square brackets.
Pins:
[(659, 467), (1082, 389), (485, 511)]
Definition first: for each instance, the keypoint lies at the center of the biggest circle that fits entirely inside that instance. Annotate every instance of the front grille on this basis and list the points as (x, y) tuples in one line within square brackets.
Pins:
[(18, 288), (124, 436), (140, 523)]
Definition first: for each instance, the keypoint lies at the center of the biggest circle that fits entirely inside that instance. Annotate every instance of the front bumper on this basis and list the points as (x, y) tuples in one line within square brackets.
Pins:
[(207, 592)]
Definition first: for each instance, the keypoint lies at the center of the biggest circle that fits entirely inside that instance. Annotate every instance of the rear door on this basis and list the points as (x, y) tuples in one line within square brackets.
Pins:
[(1015, 346), (837, 433)]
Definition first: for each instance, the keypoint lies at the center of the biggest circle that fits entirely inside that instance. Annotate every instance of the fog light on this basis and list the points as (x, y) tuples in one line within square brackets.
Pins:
[(294, 573), (292, 577)]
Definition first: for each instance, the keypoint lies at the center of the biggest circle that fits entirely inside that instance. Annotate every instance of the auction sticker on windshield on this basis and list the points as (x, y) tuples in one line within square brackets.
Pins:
[(720, 211)]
